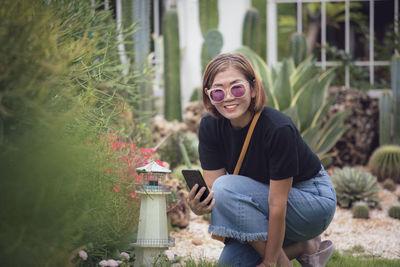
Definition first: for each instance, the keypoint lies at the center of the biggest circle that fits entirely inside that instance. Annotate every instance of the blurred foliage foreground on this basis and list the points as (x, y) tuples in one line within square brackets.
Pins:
[(57, 188)]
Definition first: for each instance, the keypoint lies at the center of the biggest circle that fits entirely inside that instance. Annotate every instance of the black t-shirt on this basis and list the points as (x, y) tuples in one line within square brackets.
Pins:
[(276, 150)]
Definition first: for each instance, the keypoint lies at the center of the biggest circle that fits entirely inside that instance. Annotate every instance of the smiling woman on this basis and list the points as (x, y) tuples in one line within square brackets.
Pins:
[(272, 206)]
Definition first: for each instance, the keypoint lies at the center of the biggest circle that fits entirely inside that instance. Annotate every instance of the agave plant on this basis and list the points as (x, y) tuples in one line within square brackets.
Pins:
[(354, 184), (300, 92)]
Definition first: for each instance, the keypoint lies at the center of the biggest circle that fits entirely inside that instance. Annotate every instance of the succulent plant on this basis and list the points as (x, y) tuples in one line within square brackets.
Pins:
[(213, 42), (396, 98), (251, 30), (394, 211), (171, 150), (354, 184), (385, 162), (389, 184), (360, 210), (298, 48), (385, 117)]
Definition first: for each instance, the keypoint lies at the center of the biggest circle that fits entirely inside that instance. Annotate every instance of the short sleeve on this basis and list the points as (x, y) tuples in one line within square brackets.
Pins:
[(283, 153), (209, 148)]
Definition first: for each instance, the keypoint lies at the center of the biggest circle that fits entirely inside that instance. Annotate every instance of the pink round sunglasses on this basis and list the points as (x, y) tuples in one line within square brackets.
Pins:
[(237, 90)]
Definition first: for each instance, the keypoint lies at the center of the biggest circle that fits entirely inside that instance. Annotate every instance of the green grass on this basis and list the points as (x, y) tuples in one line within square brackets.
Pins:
[(338, 260), (348, 260)]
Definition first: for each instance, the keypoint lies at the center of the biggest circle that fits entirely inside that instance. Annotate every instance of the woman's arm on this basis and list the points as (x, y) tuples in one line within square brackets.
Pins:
[(200, 208), (277, 200), (211, 176)]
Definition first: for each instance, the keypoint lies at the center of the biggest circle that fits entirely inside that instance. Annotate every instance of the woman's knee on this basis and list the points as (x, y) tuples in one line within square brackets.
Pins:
[(221, 187)]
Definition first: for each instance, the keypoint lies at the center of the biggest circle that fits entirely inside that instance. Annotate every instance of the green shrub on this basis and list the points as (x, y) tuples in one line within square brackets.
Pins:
[(59, 64), (394, 211), (353, 184), (385, 162), (389, 185), (360, 210)]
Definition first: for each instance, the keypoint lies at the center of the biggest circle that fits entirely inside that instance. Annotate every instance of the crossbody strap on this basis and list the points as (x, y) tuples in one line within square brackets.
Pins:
[(246, 142)]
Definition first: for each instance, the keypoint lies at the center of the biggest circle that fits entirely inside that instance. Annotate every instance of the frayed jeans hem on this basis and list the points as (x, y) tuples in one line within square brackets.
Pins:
[(240, 236)]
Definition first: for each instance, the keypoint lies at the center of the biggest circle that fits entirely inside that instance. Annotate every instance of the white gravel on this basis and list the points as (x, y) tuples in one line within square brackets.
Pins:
[(379, 235)]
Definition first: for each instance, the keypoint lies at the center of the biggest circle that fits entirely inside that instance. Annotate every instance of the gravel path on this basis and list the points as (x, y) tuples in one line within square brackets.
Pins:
[(379, 235)]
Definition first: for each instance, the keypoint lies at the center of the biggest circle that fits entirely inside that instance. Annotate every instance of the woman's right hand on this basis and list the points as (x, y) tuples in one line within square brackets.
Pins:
[(200, 208)]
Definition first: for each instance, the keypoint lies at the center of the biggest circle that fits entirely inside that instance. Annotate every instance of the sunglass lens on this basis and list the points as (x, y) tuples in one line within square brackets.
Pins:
[(238, 90), (217, 95)]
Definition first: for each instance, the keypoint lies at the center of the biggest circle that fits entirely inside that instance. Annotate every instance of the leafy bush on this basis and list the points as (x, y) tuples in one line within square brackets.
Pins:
[(60, 74), (385, 162), (361, 210), (353, 184)]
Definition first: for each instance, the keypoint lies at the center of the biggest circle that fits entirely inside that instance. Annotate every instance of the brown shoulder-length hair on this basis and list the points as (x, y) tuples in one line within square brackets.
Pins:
[(238, 61)]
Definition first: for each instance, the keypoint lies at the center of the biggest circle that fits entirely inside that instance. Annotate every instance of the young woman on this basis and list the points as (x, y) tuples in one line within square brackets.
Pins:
[(282, 199)]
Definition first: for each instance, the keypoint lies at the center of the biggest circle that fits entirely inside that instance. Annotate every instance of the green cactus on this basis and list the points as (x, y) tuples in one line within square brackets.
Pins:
[(251, 30), (298, 48), (211, 47), (394, 211), (360, 210), (389, 184), (261, 6), (172, 94), (214, 42), (353, 184), (385, 162), (385, 118), (208, 15), (141, 39), (396, 98)]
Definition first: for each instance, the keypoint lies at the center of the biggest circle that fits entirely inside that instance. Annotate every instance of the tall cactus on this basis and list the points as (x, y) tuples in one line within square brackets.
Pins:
[(298, 48), (141, 38), (396, 98), (208, 14), (251, 30), (172, 93), (261, 6), (385, 118), (211, 47)]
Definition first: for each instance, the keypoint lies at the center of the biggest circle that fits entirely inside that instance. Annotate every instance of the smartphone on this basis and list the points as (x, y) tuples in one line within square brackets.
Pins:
[(193, 177)]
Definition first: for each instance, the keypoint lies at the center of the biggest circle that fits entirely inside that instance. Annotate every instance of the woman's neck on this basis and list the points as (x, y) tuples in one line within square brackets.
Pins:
[(242, 121)]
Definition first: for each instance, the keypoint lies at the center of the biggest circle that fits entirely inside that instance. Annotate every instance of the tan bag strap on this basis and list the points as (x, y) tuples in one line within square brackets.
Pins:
[(246, 142)]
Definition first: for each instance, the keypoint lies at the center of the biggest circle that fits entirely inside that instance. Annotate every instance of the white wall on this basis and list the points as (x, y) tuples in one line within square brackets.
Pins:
[(231, 16), (190, 44)]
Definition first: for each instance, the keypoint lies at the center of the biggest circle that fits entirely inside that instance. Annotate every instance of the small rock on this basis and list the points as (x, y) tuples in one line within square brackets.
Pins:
[(197, 241)]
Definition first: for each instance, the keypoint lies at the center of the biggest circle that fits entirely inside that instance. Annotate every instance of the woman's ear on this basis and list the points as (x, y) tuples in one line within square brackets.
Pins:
[(252, 92)]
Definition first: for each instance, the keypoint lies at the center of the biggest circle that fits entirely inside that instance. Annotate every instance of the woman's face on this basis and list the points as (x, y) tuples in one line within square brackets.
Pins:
[(233, 108)]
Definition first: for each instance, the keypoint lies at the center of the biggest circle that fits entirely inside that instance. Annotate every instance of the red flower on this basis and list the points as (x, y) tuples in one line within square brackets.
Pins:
[(116, 188)]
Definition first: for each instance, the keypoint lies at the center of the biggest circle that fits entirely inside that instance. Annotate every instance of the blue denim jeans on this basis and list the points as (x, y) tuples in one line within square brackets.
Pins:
[(241, 214)]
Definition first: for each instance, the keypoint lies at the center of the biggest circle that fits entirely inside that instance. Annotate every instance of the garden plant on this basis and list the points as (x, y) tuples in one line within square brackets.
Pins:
[(61, 88)]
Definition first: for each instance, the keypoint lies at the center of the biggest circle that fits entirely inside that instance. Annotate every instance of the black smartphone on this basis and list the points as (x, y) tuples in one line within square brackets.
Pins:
[(193, 177)]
